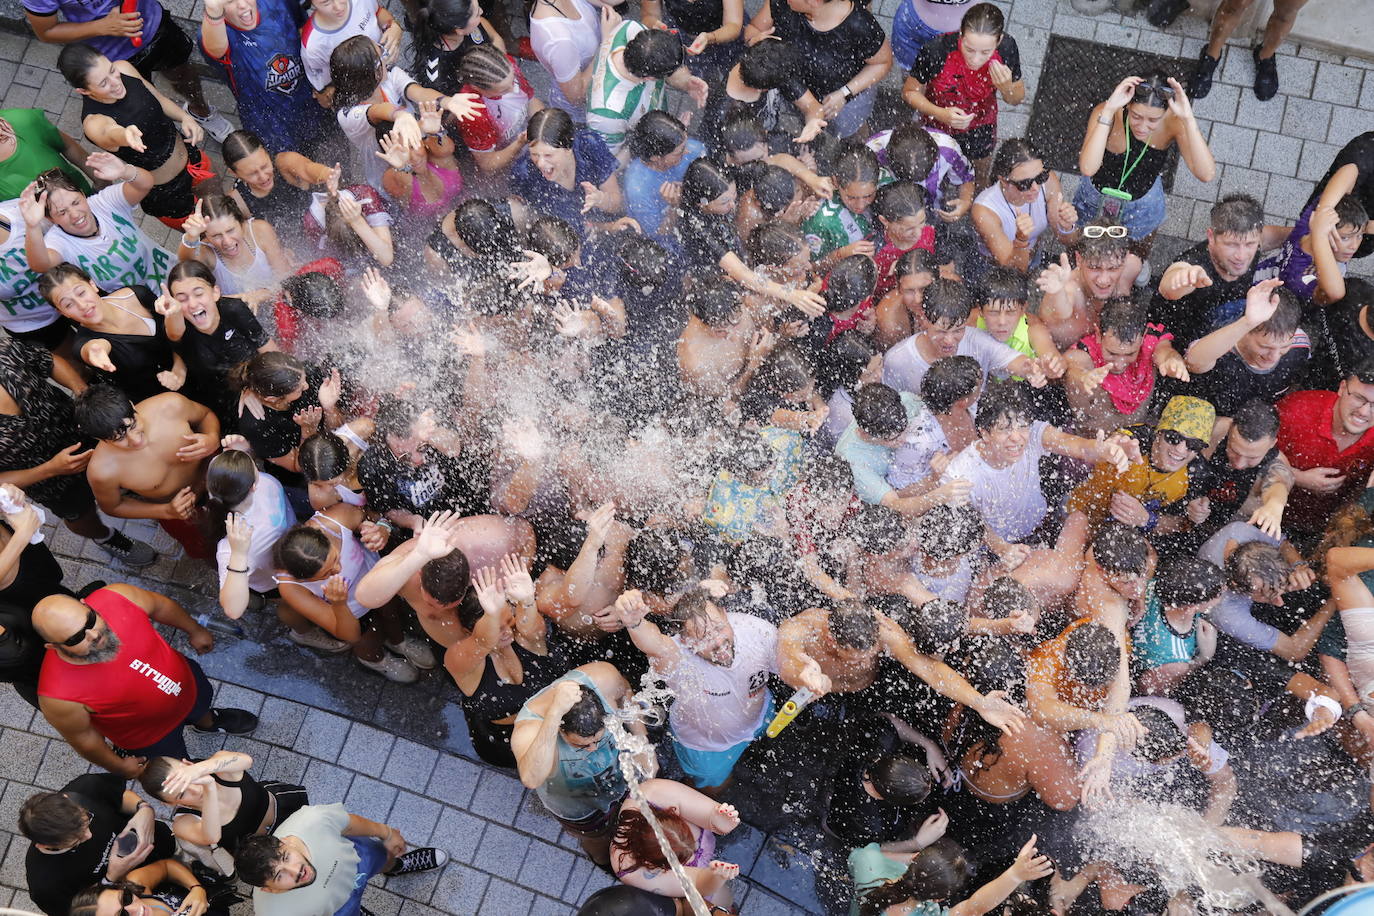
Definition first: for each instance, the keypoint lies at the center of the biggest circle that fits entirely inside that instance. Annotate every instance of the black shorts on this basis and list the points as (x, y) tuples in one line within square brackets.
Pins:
[(977, 142), (68, 497), (170, 48), (49, 337)]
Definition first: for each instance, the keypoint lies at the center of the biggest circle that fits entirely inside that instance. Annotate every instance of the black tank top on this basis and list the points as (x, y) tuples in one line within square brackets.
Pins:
[(438, 69), (1141, 177), (252, 810), (284, 206), (493, 699), (138, 109)]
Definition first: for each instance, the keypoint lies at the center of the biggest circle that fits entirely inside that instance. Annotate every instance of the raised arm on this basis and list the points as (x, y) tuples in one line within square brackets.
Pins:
[(1260, 304), (534, 742)]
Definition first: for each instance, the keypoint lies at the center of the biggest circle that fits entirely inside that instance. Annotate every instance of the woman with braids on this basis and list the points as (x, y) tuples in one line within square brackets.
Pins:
[(216, 802), (246, 513), (244, 253), (691, 821), (162, 888), (329, 461), (938, 873), (496, 134)]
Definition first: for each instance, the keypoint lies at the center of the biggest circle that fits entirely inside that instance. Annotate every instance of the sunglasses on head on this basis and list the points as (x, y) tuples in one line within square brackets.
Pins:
[(1096, 232), (1025, 184), (1148, 91), (91, 620), (1174, 437)]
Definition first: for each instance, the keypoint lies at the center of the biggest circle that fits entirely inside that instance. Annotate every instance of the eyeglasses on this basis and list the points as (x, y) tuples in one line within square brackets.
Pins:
[(1174, 437), (1096, 232), (91, 620), (1025, 184)]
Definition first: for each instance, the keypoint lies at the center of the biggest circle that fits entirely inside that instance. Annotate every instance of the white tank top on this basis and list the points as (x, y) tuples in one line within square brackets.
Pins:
[(994, 200), (355, 561), (257, 275)]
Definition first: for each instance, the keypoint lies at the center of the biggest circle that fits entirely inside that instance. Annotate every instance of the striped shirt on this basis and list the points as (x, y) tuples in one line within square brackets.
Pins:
[(615, 103)]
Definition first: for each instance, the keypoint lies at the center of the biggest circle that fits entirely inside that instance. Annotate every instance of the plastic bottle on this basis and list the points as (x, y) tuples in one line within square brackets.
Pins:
[(794, 705), (131, 6), (220, 624), (10, 507)]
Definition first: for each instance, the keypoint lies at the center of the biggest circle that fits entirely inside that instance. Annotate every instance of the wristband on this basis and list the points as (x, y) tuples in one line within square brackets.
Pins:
[(1105, 122), (195, 244), (1154, 519), (244, 571), (385, 525), (846, 91), (1321, 701)]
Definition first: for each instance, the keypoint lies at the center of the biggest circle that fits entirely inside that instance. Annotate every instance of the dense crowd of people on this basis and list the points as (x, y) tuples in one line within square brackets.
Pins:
[(697, 386)]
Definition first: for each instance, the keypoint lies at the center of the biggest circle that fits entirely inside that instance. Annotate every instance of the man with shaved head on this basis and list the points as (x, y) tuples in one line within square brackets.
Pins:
[(109, 678)]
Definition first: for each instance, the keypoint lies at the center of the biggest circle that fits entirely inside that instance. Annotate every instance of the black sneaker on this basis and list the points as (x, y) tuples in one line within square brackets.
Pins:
[(126, 550), (1201, 83), (422, 859), (1162, 13), (229, 722), (1266, 76)]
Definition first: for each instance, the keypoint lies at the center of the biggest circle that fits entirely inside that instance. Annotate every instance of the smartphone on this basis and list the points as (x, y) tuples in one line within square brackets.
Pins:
[(126, 843)]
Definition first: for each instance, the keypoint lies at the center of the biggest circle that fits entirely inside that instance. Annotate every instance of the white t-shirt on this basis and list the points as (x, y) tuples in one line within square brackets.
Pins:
[(1009, 498), (363, 134), (717, 708), (335, 859), (904, 366), (318, 44), (911, 461), (271, 517), (21, 307), (565, 47), (1127, 766), (119, 254)]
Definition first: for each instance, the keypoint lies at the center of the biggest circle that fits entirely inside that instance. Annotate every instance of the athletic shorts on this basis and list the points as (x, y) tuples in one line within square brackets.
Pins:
[(977, 142), (170, 48)]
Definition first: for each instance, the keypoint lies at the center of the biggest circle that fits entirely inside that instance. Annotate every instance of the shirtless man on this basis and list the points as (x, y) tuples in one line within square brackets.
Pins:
[(151, 459), (579, 599), (432, 572), (1102, 267), (836, 650), (718, 352)]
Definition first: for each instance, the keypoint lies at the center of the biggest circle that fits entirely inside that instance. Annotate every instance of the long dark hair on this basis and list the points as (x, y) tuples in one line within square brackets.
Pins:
[(434, 19), (354, 68), (939, 872), (86, 902), (229, 478)]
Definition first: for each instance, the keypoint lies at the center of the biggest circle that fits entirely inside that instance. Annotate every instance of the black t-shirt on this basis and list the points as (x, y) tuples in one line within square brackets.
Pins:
[(858, 817), (1360, 153), (1339, 343), (441, 482), (54, 879), (706, 237), (238, 337), (277, 433), (829, 59), (1328, 854), (1231, 382), (1195, 314), (1226, 487), (137, 358)]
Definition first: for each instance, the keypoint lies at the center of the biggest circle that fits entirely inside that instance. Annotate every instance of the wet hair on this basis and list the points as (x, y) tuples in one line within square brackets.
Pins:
[(1091, 655), (213, 206), (1006, 597), (635, 839), (555, 239), (395, 417), (945, 532), (1103, 250), (938, 872), (1121, 550), (1002, 402), (983, 19), (916, 261), (827, 474), (257, 859), (1256, 420), (191, 270), (703, 182), (301, 552), (432, 19), (1004, 284), (850, 353), (484, 66), (1013, 152), (899, 200), (314, 294), (238, 146), (271, 374), (1123, 317), (850, 283), (853, 625), (552, 126), (950, 380), (75, 62), (1284, 322), (936, 626), (899, 779), (447, 579), (856, 163), (54, 277), (876, 529), (748, 454), (1153, 90), (769, 65), (102, 411), (1187, 581), (740, 131), (1363, 372), (947, 302), (714, 300), (1224, 698), (784, 369), (658, 133), (772, 244), (355, 70), (774, 189), (485, 228), (51, 818), (912, 152), (1351, 212), (654, 562), (1237, 214), (1162, 740), (323, 456), (586, 716), (653, 54), (1257, 564), (879, 411), (229, 478), (55, 180), (154, 773)]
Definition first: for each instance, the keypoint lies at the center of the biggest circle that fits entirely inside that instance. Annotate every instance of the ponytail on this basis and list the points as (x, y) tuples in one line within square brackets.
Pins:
[(229, 478)]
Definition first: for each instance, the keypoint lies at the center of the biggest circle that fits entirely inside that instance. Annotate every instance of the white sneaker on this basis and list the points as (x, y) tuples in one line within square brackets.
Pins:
[(416, 651), (315, 638), (214, 123), (391, 667)]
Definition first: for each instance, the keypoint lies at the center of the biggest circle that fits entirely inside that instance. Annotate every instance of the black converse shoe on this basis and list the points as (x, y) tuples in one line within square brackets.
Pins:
[(422, 859), (229, 721), (126, 550)]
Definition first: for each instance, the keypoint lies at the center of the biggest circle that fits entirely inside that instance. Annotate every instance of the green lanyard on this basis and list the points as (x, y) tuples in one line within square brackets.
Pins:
[(1126, 170)]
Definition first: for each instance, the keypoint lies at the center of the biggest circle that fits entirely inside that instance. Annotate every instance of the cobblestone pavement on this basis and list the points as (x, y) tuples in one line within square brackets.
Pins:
[(402, 754)]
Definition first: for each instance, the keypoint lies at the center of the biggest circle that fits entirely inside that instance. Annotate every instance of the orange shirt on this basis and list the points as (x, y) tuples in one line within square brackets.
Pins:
[(1046, 665)]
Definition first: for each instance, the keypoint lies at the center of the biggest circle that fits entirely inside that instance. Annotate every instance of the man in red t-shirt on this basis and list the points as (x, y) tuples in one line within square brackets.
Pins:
[(109, 676), (1328, 438)]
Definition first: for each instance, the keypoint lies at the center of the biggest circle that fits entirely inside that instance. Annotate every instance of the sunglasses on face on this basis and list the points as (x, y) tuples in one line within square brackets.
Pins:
[(1025, 184), (1174, 437), (1096, 232), (91, 620)]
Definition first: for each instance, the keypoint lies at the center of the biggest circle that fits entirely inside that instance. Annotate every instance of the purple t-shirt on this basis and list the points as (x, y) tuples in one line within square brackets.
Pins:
[(112, 46), (1291, 264)]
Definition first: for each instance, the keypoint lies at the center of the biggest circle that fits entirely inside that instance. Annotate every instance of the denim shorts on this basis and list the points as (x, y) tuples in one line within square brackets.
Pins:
[(909, 34), (1140, 217), (371, 860)]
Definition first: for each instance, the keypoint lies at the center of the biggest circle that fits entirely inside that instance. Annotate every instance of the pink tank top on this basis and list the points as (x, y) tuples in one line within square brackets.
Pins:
[(452, 180)]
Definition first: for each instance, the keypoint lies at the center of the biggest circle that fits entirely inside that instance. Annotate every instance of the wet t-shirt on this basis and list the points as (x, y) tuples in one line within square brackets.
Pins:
[(1195, 314), (22, 308), (439, 483), (119, 254), (237, 338), (828, 59)]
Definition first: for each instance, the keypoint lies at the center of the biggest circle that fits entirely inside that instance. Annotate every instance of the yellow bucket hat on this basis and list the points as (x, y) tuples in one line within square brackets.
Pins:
[(1189, 416)]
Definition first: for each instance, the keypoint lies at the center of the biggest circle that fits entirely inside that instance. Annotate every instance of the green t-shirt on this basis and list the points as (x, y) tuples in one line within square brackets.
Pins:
[(833, 226), (870, 868), (38, 147), (614, 104)]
